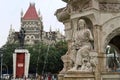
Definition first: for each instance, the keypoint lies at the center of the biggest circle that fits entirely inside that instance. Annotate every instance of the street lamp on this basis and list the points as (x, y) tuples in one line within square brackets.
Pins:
[(1, 60), (6, 68)]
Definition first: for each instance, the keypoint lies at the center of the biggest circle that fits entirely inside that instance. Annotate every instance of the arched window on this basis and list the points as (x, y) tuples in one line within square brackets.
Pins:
[(32, 37), (27, 37)]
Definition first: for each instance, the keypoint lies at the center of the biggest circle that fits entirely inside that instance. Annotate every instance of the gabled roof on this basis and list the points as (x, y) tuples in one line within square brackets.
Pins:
[(31, 13)]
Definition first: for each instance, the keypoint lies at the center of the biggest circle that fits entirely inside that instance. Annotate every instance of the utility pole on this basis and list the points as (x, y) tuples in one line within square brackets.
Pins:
[(1, 60)]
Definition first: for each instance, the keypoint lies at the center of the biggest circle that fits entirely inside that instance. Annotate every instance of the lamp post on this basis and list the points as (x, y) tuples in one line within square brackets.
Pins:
[(4, 65), (1, 60)]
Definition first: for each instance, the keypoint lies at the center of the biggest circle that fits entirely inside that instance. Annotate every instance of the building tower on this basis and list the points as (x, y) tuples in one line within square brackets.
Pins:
[(31, 21), (11, 35)]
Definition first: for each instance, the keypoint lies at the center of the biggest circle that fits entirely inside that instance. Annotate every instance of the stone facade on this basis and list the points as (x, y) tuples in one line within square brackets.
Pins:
[(102, 19), (32, 23)]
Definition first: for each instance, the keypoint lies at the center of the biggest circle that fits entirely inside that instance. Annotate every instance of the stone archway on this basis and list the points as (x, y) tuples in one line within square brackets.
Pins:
[(112, 37), (110, 29), (113, 40)]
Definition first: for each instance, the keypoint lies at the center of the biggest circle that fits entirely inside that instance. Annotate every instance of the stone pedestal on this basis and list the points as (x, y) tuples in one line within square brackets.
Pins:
[(21, 58), (110, 76), (66, 59), (78, 75), (61, 76)]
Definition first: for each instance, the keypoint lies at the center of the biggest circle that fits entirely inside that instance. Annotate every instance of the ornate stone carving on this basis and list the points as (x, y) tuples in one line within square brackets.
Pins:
[(81, 48), (109, 7), (62, 14), (67, 62), (81, 5), (93, 59)]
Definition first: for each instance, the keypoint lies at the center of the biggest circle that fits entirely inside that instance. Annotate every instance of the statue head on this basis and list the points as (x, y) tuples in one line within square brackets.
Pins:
[(81, 24)]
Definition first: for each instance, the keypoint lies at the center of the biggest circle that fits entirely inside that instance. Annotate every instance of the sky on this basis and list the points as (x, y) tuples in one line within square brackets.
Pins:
[(10, 14)]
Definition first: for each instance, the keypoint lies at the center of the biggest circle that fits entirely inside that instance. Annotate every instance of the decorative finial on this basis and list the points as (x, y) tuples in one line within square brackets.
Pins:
[(50, 29), (11, 26), (39, 14), (58, 30), (11, 29), (21, 12), (32, 4)]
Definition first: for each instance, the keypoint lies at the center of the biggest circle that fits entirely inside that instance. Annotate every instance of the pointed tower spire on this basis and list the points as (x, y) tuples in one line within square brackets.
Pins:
[(50, 29), (39, 12), (58, 30), (21, 12), (31, 13), (55, 30), (11, 30)]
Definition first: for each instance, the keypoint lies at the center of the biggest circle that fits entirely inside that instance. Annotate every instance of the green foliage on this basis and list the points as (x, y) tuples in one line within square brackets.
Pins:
[(43, 58), (61, 47), (8, 55), (47, 58)]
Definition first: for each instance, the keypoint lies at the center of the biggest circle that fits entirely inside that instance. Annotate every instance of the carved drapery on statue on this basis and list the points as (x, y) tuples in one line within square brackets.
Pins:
[(82, 55), (21, 37)]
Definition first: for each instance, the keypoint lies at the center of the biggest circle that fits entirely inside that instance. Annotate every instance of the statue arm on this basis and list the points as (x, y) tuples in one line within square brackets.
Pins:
[(90, 35)]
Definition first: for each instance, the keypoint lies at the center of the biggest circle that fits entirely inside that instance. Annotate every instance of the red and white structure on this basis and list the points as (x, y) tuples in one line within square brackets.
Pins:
[(21, 59)]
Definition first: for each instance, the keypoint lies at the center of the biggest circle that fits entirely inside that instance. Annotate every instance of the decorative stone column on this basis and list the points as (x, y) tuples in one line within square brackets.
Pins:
[(96, 33)]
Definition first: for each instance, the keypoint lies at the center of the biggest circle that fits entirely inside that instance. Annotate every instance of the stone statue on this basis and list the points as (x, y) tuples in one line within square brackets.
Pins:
[(21, 37), (86, 67), (93, 60), (72, 54), (81, 47)]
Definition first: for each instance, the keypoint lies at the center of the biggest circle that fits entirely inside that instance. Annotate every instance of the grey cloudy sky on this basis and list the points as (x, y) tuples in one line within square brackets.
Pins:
[(10, 14)]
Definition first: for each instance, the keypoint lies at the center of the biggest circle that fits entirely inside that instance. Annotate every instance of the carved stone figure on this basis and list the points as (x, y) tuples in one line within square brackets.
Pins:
[(72, 53), (86, 67), (82, 46), (93, 60), (21, 37)]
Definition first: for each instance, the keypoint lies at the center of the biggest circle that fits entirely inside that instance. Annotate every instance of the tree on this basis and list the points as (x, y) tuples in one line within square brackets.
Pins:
[(43, 58), (8, 56), (47, 58)]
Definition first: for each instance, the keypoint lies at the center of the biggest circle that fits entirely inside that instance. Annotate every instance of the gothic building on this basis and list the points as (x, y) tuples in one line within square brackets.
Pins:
[(32, 23)]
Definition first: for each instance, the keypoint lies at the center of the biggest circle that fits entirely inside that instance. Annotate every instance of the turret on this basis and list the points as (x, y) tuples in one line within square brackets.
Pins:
[(22, 13)]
